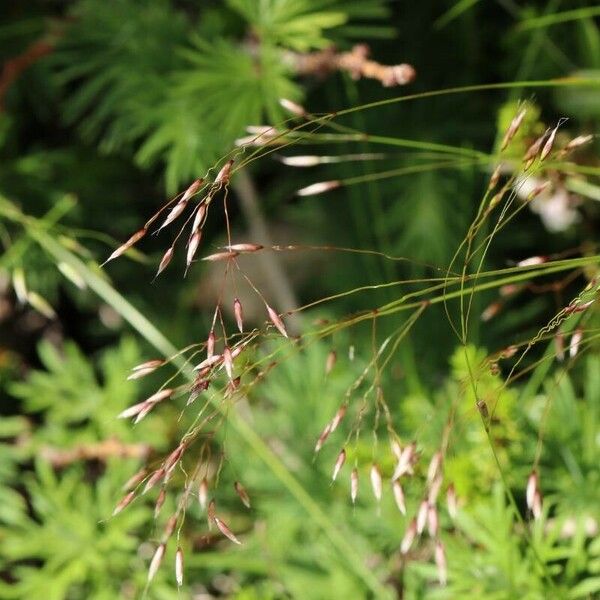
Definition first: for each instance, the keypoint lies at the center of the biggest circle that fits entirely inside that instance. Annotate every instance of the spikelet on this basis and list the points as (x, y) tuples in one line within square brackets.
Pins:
[(125, 501), (154, 479), (224, 529), (409, 537), (434, 468), (376, 483), (399, 496), (422, 516), (239, 314), (217, 256), (156, 561), (292, 107), (211, 361), (242, 493), (244, 248), (354, 485), (166, 259), (433, 522), (276, 320), (549, 142), (203, 493), (434, 489), (337, 418), (440, 562), (324, 435), (160, 500), (193, 245), (533, 151), (149, 364), (330, 361), (559, 346), (228, 361), (339, 463), (136, 237), (319, 188), (210, 345), (513, 128), (179, 567), (135, 479), (575, 342), (199, 217), (532, 488), (536, 506), (174, 213), (405, 462), (223, 175), (532, 261), (575, 143), (495, 178), (451, 501)]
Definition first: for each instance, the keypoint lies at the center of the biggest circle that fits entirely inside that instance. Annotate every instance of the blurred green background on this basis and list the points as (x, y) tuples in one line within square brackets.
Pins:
[(107, 109)]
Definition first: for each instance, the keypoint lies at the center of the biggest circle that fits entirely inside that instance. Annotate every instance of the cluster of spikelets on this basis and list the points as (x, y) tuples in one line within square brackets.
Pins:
[(199, 196)]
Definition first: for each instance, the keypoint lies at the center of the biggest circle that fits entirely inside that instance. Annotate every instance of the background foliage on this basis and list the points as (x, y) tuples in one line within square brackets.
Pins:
[(128, 102)]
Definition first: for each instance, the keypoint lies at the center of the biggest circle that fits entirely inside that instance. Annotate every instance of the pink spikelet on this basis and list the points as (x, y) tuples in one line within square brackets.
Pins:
[(135, 479), (339, 463), (239, 314), (513, 128), (575, 342), (319, 188), (224, 174), (433, 522), (154, 479), (210, 345), (242, 493), (536, 507), (179, 567), (532, 488), (422, 516), (156, 562), (276, 320), (292, 107), (228, 360), (337, 418), (244, 248), (159, 502), (165, 261), (193, 245), (323, 437), (434, 467), (199, 217), (451, 501)]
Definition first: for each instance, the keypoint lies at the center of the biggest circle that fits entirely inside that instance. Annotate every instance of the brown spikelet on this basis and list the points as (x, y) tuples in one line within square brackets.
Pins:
[(217, 256), (337, 418), (136, 237), (156, 561), (491, 311), (174, 458), (575, 143), (199, 217), (228, 361), (223, 175), (276, 320), (433, 522), (244, 248), (170, 527), (435, 466), (135, 479), (513, 128), (406, 461), (159, 502), (154, 479), (549, 143), (210, 345), (174, 213), (242, 493), (224, 529), (559, 346), (166, 259), (239, 314), (324, 435), (339, 463), (533, 151), (330, 361), (495, 178), (193, 245), (124, 502), (209, 362), (192, 189), (434, 489), (210, 512), (179, 567)]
